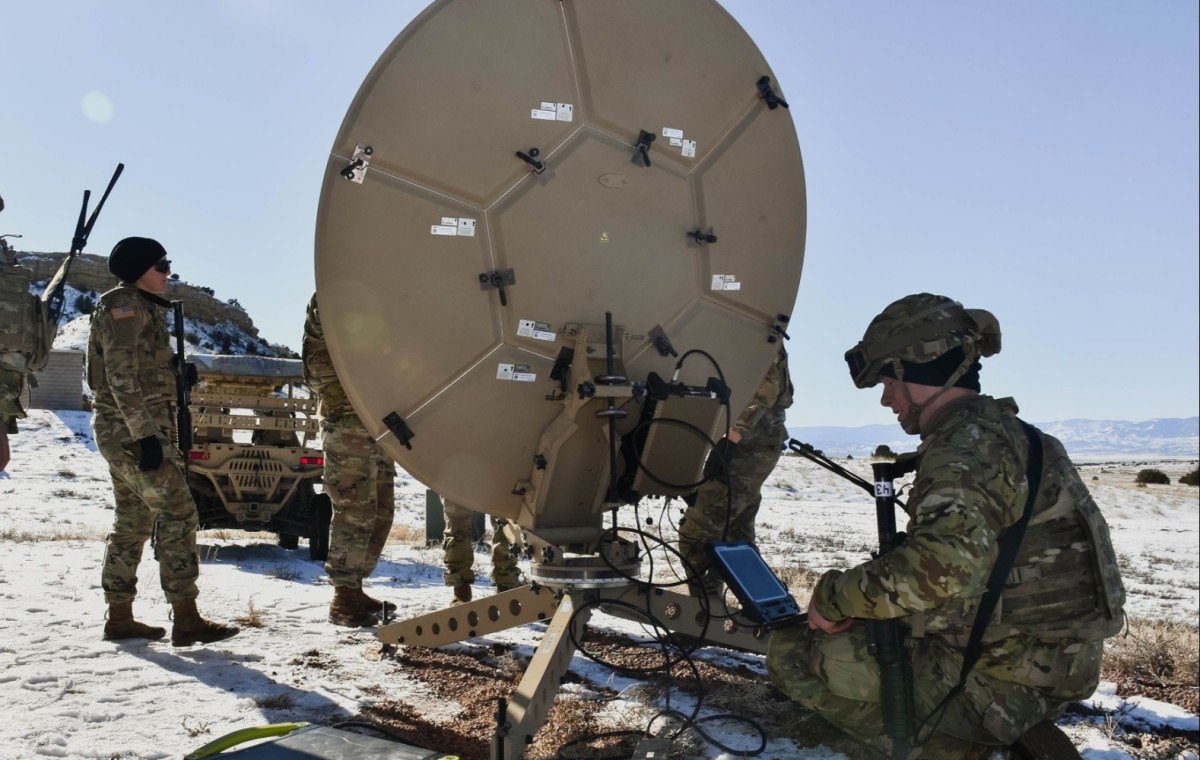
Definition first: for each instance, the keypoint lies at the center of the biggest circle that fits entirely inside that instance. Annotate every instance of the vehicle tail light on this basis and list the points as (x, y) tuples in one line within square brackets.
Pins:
[(199, 455), (313, 461)]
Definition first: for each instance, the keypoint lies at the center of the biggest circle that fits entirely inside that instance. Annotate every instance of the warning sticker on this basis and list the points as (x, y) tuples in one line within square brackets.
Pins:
[(454, 226), (517, 372), (527, 328), (547, 111), (725, 282), (689, 148)]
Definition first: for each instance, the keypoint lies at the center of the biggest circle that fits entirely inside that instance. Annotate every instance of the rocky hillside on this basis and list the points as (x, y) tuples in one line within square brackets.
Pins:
[(212, 325)]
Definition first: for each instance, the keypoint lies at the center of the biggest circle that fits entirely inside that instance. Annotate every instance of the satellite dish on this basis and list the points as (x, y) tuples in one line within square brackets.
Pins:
[(509, 174)]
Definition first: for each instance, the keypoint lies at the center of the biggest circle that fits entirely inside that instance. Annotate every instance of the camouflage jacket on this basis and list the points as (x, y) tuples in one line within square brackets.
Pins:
[(129, 365), (16, 317), (318, 370), (970, 486), (774, 394)]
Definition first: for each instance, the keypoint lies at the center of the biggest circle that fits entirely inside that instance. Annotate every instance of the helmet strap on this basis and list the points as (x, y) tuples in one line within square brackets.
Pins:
[(915, 409)]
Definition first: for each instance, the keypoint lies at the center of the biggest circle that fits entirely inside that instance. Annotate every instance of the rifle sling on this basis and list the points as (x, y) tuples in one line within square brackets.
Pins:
[(1005, 558)]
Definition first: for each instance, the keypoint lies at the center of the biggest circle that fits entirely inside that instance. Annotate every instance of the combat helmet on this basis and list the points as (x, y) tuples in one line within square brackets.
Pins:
[(919, 329)]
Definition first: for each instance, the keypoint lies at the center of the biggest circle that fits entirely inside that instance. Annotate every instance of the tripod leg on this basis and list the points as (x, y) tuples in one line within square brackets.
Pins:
[(529, 705), (466, 621)]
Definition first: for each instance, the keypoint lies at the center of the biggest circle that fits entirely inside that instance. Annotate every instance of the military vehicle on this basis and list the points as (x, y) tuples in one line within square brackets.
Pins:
[(252, 464)]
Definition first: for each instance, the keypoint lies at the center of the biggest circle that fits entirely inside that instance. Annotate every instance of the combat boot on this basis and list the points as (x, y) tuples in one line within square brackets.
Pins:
[(378, 605), (121, 625), (350, 608), (190, 628), (462, 594)]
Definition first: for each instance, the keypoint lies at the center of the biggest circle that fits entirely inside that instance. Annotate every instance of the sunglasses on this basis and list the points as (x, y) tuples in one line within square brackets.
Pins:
[(162, 265)]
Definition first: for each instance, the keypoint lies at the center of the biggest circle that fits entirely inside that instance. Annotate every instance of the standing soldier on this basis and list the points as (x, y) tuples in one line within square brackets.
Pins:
[(360, 481), (132, 379), (459, 551), (23, 341), (735, 472)]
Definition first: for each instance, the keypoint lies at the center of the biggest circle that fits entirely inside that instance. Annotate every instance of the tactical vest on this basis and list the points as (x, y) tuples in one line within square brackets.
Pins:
[(25, 333), (1065, 583)]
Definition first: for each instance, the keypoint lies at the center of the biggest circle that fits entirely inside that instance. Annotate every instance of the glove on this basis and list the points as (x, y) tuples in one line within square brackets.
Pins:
[(717, 466), (151, 457)]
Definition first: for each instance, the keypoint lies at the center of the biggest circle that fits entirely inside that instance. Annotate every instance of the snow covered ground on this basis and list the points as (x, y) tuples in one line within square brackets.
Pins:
[(67, 693)]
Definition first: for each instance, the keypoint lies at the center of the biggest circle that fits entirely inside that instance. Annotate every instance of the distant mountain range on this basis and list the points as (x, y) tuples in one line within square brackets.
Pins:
[(1172, 437)]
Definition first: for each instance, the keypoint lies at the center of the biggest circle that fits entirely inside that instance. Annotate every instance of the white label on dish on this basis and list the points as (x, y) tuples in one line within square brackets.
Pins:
[(566, 112), (521, 374), (450, 220), (689, 148), (676, 141), (676, 133), (466, 227), (527, 328), (504, 372), (443, 229), (548, 106), (538, 113), (725, 282)]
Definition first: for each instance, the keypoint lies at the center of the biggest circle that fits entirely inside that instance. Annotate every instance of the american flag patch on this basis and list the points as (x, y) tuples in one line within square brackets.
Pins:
[(121, 312)]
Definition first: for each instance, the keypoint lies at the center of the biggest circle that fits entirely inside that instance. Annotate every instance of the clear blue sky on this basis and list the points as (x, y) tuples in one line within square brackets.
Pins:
[(1036, 159)]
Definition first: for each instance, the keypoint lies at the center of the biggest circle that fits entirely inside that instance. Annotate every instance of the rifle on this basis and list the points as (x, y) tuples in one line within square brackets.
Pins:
[(183, 390), (885, 638), (55, 292)]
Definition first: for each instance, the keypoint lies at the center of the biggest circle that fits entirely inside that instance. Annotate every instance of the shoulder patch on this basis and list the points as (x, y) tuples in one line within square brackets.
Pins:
[(121, 312)]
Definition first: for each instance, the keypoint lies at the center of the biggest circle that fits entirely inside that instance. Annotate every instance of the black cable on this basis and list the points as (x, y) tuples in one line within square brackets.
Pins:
[(667, 640)]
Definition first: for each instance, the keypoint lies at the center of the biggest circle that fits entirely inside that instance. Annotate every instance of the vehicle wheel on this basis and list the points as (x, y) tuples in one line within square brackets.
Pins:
[(288, 541), (318, 540)]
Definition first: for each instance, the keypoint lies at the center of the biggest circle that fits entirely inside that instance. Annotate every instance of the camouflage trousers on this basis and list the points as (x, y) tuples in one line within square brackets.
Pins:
[(155, 503), (836, 677), (12, 385), (757, 454), (360, 481), (458, 547)]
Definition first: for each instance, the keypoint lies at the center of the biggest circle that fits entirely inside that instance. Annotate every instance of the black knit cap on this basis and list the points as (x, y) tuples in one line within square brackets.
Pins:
[(938, 371), (131, 257)]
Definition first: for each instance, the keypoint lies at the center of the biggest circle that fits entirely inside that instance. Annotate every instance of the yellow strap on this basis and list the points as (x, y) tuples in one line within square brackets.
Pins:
[(241, 736)]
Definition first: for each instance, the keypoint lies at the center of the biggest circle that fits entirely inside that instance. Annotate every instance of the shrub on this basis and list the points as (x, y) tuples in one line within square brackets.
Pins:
[(1191, 479), (883, 451), (84, 304), (1153, 476)]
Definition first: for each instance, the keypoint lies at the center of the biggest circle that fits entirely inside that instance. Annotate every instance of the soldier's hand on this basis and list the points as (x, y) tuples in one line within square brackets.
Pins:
[(151, 457), (817, 621), (719, 458)]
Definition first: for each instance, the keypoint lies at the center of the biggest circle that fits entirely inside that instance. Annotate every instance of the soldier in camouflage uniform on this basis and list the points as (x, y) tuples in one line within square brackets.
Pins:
[(458, 548), (360, 481), (1062, 598), (736, 470), (16, 317), (130, 372)]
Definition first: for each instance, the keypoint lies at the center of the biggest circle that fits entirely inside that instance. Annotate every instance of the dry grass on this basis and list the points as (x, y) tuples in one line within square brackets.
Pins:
[(1158, 659), (408, 535), (197, 728), (282, 701), (252, 617), (73, 534), (799, 579), (284, 573)]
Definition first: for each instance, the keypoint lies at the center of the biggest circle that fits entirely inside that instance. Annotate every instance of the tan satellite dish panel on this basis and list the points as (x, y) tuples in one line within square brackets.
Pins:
[(424, 193)]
